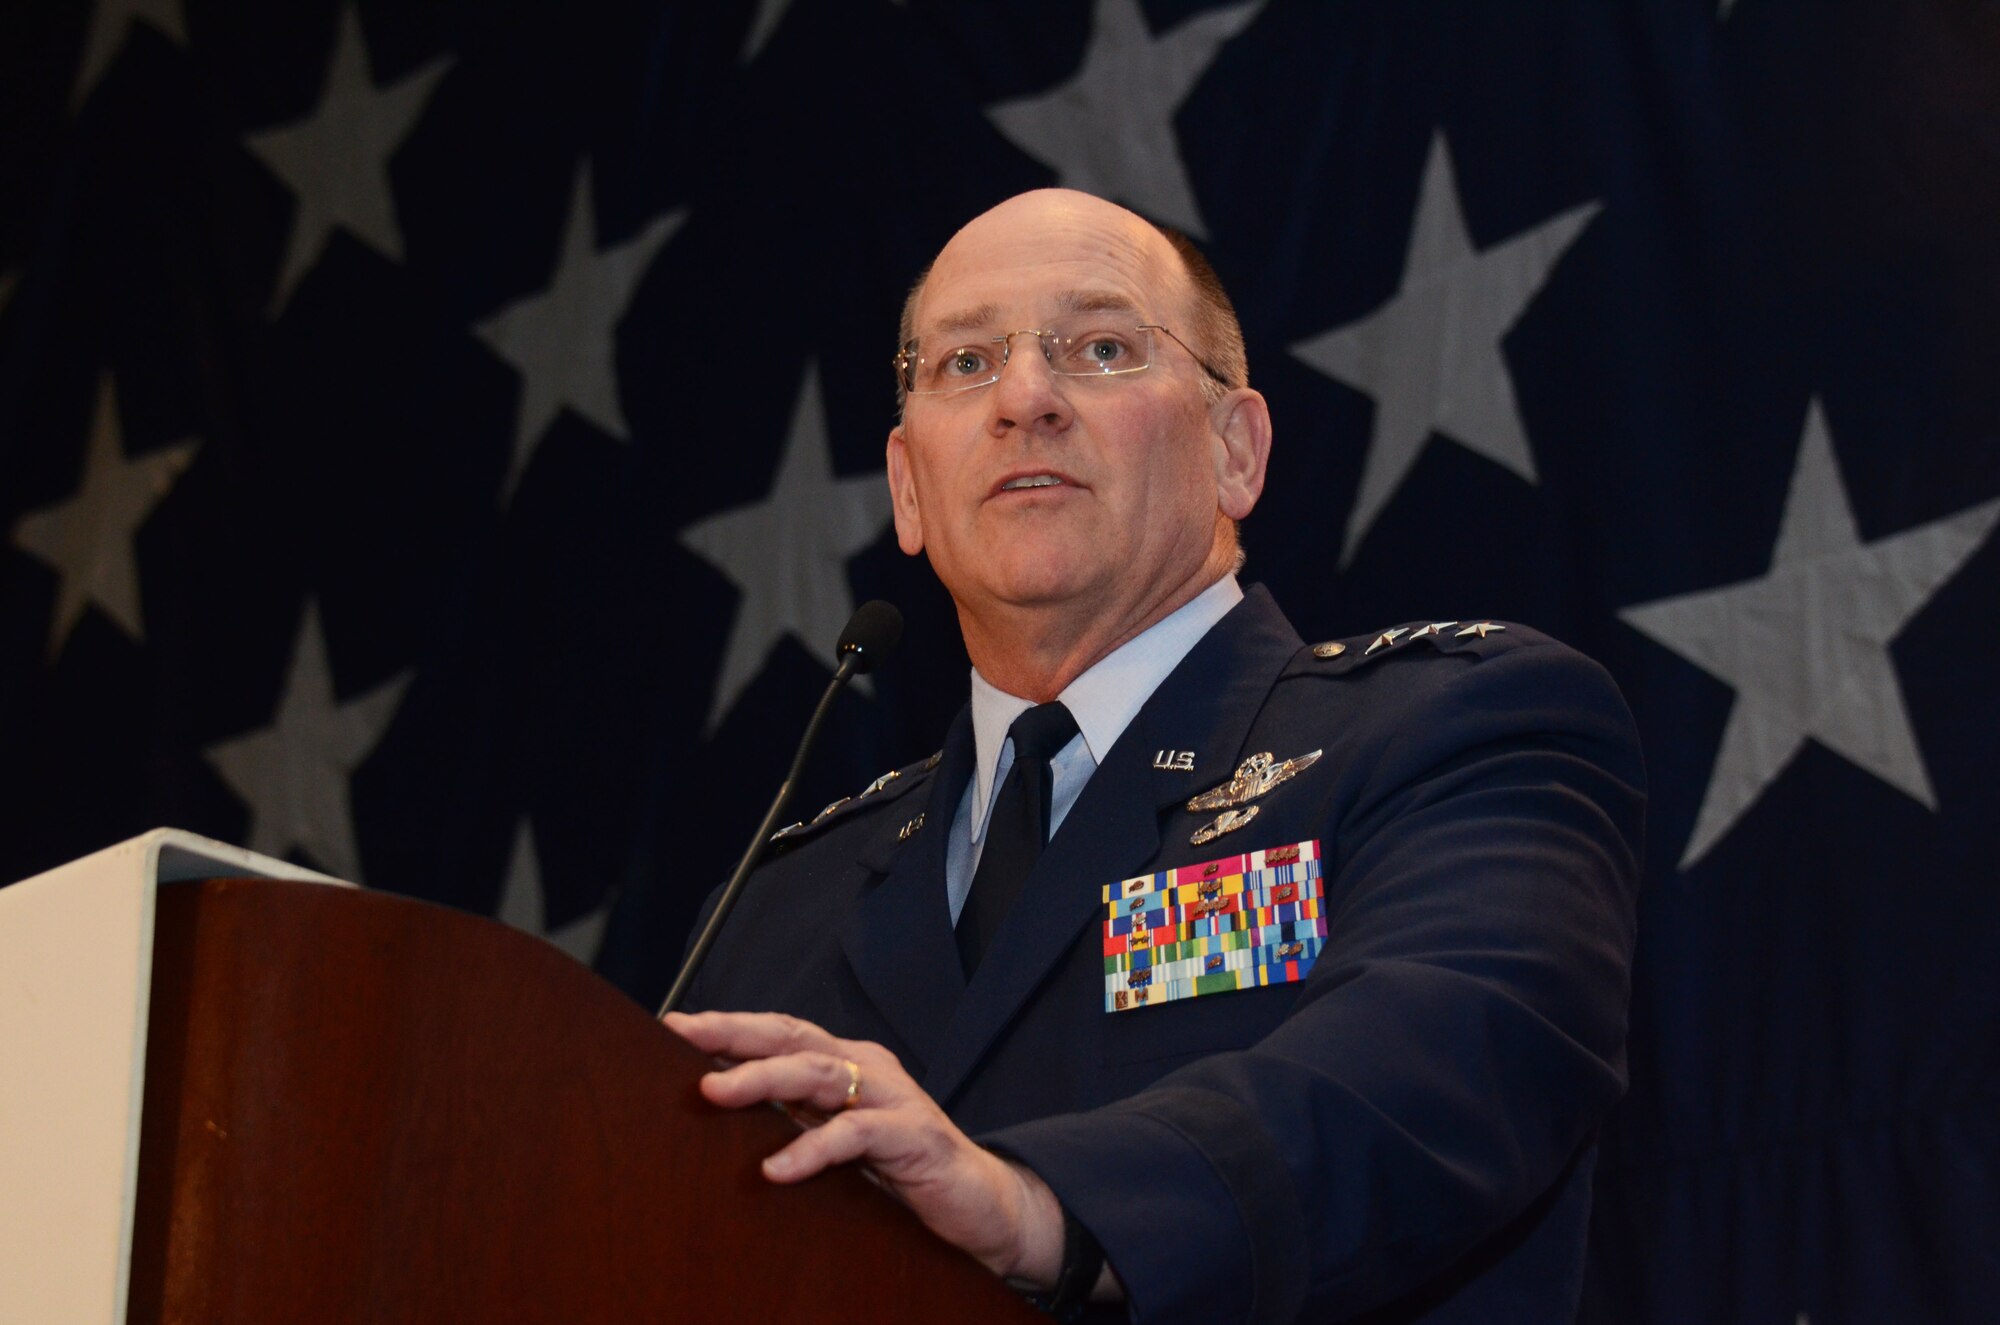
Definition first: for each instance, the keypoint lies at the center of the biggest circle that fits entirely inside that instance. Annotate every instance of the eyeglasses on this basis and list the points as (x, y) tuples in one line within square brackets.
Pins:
[(1073, 350)]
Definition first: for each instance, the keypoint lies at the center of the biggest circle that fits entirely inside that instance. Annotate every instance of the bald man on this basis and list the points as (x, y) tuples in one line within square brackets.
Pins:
[(1203, 975)]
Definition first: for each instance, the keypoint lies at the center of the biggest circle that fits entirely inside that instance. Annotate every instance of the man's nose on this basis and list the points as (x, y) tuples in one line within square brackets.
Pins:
[(1029, 393)]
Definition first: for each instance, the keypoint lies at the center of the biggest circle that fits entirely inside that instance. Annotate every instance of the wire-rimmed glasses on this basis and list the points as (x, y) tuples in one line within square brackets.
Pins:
[(1075, 349)]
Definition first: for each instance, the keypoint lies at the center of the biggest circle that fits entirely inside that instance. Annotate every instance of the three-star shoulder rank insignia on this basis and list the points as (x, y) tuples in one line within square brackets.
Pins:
[(894, 781), (1441, 634)]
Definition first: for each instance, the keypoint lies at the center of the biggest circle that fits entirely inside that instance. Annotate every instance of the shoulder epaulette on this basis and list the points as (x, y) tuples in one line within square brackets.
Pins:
[(879, 792), (1336, 657)]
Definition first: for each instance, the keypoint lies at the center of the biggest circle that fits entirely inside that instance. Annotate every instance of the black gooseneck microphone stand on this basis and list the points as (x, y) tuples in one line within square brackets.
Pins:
[(870, 636)]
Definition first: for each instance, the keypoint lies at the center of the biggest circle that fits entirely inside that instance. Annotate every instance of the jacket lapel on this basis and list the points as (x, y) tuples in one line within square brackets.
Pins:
[(1113, 831), (898, 939)]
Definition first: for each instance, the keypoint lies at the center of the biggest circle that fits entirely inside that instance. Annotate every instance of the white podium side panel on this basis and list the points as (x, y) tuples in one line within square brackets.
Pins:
[(76, 959)]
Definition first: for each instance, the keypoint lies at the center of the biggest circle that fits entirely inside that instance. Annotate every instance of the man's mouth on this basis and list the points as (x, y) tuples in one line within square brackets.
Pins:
[(1030, 481)]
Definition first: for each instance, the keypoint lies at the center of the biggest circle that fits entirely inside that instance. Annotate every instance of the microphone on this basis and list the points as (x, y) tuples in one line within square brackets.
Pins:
[(871, 636), (866, 643)]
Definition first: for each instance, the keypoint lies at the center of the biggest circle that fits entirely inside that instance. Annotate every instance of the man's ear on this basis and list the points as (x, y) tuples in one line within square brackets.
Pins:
[(903, 495), (1242, 428)]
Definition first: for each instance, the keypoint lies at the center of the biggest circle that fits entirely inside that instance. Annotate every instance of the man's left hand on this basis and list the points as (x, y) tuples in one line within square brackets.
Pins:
[(997, 1211)]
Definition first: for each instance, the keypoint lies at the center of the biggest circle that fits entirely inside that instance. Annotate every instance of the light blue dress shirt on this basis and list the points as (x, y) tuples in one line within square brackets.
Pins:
[(1104, 700)]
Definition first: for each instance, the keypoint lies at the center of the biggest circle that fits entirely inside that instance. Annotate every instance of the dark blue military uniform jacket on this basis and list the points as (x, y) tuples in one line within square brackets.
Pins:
[(1408, 1130)]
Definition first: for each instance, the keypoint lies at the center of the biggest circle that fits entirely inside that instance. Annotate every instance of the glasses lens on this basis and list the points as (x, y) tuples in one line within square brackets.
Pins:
[(959, 368), (1090, 351)]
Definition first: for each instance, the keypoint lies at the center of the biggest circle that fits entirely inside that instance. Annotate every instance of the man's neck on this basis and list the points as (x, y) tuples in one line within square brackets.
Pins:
[(1035, 652)]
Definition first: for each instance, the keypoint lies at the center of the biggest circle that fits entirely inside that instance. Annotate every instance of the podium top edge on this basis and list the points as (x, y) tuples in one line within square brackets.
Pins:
[(174, 855)]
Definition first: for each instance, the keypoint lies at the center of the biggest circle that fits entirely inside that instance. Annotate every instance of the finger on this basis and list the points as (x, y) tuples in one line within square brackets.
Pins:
[(749, 1034), (820, 1080), (845, 1137)]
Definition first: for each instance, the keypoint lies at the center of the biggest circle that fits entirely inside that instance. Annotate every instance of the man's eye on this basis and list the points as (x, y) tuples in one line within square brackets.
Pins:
[(1100, 351), (965, 362)]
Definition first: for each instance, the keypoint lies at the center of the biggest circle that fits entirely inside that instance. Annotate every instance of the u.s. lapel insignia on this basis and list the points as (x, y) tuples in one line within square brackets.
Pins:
[(1253, 777), (903, 834), (1226, 822)]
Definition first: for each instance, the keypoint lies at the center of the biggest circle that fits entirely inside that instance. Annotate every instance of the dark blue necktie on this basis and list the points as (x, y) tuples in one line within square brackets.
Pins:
[(1017, 831)]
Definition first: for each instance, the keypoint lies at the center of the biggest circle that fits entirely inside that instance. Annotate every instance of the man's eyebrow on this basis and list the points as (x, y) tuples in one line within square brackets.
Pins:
[(983, 317), (1095, 301), (970, 319)]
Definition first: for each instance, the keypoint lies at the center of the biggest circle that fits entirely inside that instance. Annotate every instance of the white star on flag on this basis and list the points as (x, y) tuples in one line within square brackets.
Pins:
[(88, 538), (1110, 129), (788, 553), (337, 159), (293, 774), (1806, 645), (765, 22), (564, 339), (525, 906), (1432, 357), (110, 23)]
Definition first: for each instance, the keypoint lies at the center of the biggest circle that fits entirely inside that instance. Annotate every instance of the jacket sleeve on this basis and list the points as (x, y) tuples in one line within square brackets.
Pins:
[(1454, 1048)]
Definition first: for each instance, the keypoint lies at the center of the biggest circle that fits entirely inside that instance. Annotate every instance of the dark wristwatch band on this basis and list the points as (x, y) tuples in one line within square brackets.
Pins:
[(1082, 1262)]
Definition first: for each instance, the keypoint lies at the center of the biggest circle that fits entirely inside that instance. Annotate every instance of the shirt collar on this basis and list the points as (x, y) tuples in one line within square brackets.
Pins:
[(1106, 698)]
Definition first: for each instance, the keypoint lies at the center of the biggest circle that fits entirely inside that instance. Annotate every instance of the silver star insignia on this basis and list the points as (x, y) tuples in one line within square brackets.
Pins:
[(1385, 639), (1482, 629), (1434, 628)]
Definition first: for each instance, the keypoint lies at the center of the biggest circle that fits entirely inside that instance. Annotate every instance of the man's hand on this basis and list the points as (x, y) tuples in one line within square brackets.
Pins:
[(999, 1212)]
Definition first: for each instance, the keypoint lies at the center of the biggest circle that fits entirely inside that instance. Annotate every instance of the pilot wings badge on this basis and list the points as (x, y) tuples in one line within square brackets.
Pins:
[(1254, 776)]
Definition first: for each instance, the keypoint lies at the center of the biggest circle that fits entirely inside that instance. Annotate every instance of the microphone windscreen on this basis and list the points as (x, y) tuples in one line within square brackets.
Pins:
[(871, 634)]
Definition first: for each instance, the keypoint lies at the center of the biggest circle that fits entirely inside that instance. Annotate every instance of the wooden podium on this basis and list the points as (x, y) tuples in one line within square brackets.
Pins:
[(358, 1107)]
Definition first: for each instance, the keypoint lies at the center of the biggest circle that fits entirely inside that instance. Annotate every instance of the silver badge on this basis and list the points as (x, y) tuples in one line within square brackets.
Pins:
[(1254, 776), (1226, 822)]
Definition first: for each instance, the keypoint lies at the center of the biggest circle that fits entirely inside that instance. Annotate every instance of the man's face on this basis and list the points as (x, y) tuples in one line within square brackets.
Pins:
[(1134, 515)]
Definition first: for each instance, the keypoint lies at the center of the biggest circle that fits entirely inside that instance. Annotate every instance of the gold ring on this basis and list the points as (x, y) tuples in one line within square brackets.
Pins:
[(853, 1083)]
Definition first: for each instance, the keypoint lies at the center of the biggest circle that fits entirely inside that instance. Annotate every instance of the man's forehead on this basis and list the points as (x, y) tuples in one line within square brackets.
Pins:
[(1054, 249)]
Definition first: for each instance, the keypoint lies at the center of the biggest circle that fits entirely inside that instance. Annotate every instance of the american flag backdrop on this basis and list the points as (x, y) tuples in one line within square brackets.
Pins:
[(440, 441)]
